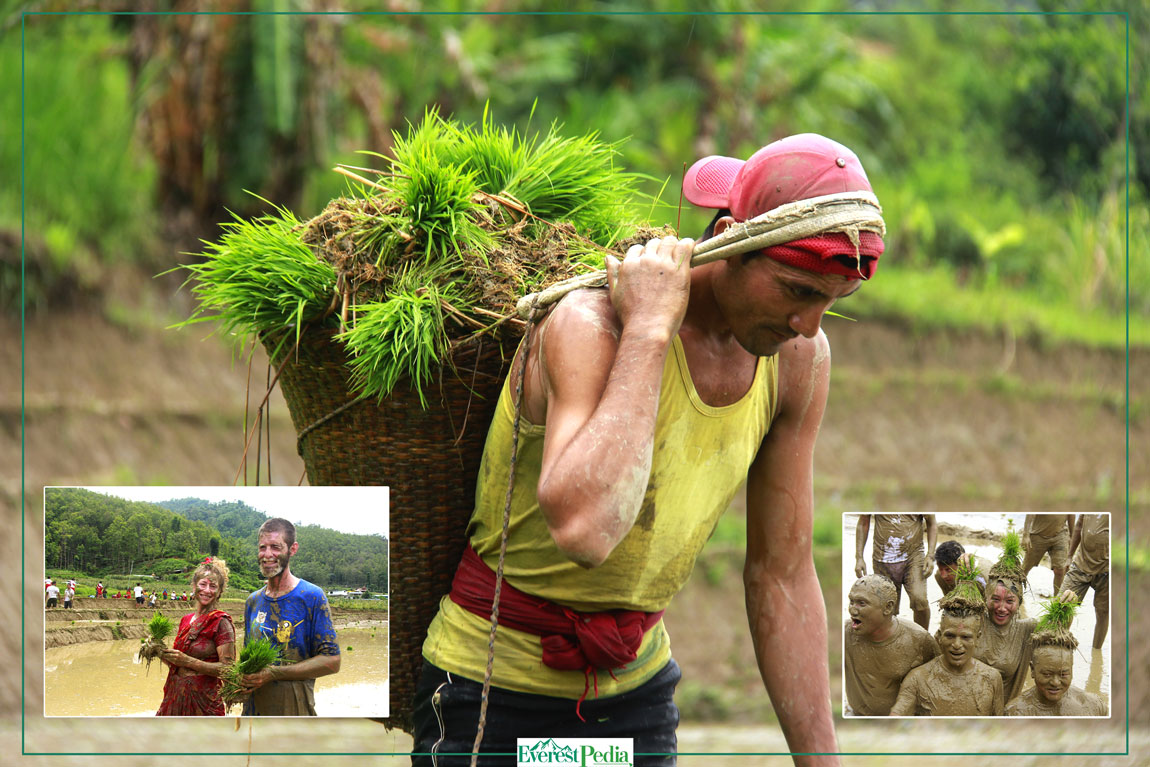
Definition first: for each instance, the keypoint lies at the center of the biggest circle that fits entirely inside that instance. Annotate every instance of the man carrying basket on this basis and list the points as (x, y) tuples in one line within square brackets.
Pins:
[(645, 406)]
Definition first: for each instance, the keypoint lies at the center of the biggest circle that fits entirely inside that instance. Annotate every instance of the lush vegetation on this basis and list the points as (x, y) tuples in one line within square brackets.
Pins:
[(997, 142), (95, 535)]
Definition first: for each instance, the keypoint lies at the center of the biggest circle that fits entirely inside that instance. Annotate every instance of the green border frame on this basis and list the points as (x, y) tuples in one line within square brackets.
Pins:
[(1125, 15)]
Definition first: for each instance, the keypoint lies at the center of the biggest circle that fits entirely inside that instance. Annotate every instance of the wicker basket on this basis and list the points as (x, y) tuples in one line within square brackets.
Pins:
[(429, 458)]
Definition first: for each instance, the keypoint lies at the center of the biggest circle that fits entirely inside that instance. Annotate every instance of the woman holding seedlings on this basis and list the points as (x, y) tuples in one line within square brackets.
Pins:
[(1005, 644), (204, 646)]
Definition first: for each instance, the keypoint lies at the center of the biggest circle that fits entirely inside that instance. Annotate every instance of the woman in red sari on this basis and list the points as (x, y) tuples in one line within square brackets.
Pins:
[(205, 644)]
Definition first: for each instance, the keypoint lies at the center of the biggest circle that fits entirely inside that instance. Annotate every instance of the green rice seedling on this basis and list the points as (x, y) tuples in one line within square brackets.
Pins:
[(1009, 565), (1053, 628), (967, 596), (260, 276), (399, 338), (159, 629), (254, 657)]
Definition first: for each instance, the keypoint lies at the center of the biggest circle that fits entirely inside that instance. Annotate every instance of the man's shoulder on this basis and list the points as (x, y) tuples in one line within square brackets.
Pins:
[(986, 670), (309, 591)]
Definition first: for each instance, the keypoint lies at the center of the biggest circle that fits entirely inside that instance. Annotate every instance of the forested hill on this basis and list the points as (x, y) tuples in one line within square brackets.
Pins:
[(99, 534)]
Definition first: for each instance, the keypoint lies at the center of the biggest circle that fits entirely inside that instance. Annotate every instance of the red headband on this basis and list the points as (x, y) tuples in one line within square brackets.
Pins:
[(831, 253)]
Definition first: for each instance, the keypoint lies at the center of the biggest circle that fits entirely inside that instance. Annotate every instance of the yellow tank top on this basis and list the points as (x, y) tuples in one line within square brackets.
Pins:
[(701, 457)]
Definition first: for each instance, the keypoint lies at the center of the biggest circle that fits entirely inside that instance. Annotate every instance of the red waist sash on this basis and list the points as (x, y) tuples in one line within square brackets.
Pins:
[(572, 640)]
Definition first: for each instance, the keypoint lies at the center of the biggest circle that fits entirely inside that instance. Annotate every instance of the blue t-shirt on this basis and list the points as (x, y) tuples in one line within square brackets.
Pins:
[(299, 622)]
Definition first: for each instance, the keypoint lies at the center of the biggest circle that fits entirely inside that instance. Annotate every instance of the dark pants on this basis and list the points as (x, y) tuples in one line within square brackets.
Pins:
[(447, 714)]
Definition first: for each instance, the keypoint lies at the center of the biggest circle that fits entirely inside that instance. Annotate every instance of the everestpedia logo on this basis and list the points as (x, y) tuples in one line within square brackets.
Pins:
[(585, 752)]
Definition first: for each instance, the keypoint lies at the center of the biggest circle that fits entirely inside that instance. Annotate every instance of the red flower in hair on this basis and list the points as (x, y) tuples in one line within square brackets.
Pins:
[(207, 560)]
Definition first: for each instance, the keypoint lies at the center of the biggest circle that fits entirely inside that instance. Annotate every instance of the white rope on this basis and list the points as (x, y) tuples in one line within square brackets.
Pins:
[(847, 212)]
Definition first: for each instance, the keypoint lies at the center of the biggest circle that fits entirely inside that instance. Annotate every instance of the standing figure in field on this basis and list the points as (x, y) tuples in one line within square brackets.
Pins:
[(879, 648), (293, 614), (205, 644), (1090, 569), (645, 406), (1052, 666), (898, 554), (955, 683), (1044, 533)]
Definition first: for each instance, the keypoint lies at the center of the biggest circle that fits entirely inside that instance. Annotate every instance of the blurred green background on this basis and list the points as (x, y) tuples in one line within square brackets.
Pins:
[(996, 142)]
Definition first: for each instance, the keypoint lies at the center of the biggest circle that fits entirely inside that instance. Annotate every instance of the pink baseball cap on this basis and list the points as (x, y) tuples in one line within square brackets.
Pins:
[(788, 170)]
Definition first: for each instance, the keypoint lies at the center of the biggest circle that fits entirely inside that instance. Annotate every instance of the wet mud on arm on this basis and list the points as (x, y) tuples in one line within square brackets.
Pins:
[(784, 601)]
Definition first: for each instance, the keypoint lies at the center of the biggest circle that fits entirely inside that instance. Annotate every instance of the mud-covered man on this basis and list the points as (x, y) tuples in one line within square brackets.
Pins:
[(1090, 568), (898, 554), (879, 648), (955, 683), (294, 615), (645, 407), (947, 558), (1048, 533)]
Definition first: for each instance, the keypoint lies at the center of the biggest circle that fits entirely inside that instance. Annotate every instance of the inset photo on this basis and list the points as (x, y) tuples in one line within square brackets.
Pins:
[(976, 614), (216, 601)]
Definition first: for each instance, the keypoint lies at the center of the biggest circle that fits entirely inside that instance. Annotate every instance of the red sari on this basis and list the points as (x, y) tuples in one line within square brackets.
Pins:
[(197, 694)]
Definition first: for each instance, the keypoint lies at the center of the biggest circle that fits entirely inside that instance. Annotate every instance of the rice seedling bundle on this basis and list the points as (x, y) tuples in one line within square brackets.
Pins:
[(390, 317), (1053, 628), (967, 596), (159, 629), (1009, 565), (254, 657)]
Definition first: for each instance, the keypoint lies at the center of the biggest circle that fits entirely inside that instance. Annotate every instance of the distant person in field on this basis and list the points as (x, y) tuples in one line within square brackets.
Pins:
[(1090, 569), (52, 594), (69, 594), (100, 592), (294, 615), (205, 644), (898, 554), (1048, 533), (948, 556), (138, 592), (879, 648)]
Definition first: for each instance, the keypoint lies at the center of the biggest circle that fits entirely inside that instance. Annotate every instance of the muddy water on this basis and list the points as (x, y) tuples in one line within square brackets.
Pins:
[(102, 679), (1091, 667)]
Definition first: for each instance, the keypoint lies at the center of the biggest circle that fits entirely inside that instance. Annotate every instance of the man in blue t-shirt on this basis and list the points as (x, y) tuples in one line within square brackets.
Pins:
[(293, 614)]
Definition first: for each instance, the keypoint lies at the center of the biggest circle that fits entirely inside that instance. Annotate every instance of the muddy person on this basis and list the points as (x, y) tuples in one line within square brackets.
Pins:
[(645, 406), (954, 683), (1048, 533), (1090, 568), (205, 644), (948, 557), (294, 615), (1052, 667), (898, 554), (1005, 643), (879, 648)]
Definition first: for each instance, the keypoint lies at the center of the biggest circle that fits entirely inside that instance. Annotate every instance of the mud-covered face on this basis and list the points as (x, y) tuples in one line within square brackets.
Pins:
[(206, 590), (867, 611), (1053, 669), (957, 638), (947, 575), (274, 553), (1002, 604)]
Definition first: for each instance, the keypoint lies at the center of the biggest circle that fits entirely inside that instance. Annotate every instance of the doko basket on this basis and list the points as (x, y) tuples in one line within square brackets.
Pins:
[(429, 458)]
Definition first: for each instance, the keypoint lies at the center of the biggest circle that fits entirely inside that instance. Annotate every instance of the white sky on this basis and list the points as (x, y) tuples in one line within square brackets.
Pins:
[(358, 510)]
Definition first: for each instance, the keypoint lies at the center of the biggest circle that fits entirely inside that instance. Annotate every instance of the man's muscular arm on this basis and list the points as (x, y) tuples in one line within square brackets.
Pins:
[(862, 530), (601, 367), (784, 602)]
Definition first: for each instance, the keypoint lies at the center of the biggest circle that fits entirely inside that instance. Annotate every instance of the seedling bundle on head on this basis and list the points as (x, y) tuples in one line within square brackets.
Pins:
[(159, 629), (1053, 628), (1009, 565), (254, 657), (966, 598)]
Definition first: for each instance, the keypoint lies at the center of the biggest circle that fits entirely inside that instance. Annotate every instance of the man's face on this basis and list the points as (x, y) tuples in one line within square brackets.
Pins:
[(768, 303), (274, 553), (1053, 669), (946, 576), (1002, 604), (868, 613), (956, 640)]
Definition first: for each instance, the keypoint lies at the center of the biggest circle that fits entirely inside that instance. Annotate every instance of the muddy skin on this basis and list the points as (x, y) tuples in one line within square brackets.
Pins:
[(879, 648), (1005, 642), (1052, 669), (955, 683)]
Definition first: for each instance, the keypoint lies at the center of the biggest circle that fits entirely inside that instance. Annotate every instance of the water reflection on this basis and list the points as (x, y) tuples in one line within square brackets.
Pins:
[(103, 679)]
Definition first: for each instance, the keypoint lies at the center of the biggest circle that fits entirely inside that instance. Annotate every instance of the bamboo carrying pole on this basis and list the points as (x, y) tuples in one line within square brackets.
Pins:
[(849, 212)]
